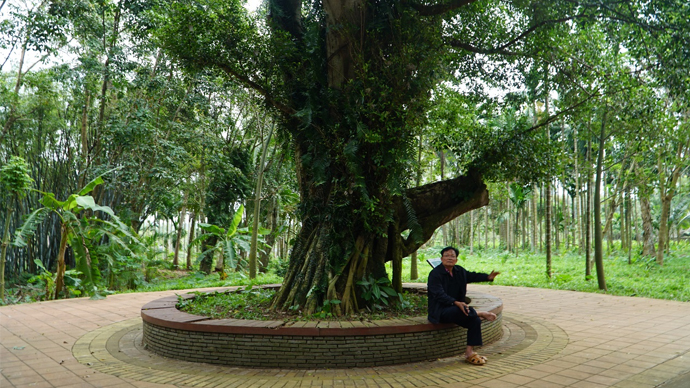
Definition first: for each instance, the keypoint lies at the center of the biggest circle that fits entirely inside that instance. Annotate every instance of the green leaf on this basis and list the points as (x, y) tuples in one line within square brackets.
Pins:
[(201, 238), (243, 244), (29, 226), (213, 229), (91, 185), (87, 202), (70, 203), (41, 266), (230, 254), (388, 290), (235, 221), (83, 260), (49, 201)]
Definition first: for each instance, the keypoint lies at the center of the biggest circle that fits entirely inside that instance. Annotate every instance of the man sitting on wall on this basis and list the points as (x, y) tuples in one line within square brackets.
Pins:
[(447, 287)]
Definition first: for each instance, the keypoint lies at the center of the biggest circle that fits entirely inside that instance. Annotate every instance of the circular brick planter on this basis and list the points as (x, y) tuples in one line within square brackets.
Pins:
[(307, 345)]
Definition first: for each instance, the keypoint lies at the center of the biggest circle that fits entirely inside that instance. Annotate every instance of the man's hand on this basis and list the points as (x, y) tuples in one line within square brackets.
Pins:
[(463, 307), (492, 275)]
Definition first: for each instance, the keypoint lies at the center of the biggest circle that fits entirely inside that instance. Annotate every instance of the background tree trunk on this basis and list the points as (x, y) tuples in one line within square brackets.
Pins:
[(190, 248), (178, 239), (257, 206), (598, 237), (647, 228)]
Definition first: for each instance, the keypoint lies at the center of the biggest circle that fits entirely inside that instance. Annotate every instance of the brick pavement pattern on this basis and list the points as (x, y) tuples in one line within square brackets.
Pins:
[(551, 339)]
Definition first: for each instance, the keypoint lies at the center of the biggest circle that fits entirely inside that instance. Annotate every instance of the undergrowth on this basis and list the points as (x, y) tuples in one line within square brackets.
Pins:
[(254, 303)]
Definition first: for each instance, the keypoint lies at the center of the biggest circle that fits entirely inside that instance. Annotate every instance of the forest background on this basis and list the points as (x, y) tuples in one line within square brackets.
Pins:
[(120, 162)]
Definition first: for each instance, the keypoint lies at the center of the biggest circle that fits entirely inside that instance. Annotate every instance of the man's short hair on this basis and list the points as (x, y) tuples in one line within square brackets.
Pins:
[(457, 252)]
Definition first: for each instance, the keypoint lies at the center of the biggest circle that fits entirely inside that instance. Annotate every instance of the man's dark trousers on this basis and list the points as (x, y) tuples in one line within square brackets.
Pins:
[(471, 322)]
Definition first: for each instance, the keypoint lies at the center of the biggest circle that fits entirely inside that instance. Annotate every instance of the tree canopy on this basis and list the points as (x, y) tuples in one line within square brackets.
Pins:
[(356, 82)]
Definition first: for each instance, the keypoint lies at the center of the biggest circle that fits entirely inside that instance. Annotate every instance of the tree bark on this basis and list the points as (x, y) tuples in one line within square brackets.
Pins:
[(547, 189), (61, 267), (667, 191), (535, 218), (576, 198), (547, 228), (270, 238), (628, 225), (647, 228), (178, 238), (471, 233), (598, 236), (190, 248), (206, 263), (486, 228), (414, 272)]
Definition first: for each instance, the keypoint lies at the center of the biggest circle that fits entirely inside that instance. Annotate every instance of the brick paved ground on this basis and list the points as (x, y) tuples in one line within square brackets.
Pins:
[(551, 339)]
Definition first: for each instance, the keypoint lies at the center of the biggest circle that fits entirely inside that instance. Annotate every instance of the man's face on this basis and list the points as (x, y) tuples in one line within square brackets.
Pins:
[(449, 258)]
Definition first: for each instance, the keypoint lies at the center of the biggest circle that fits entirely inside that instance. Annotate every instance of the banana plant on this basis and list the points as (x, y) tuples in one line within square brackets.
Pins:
[(75, 232), (229, 240)]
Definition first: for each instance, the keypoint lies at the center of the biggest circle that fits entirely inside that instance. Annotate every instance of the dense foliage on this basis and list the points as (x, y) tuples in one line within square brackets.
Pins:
[(393, 121)]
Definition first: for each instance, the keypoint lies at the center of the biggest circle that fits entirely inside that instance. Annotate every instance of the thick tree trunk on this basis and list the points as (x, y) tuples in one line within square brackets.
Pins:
[(312, 277), (353, 207)]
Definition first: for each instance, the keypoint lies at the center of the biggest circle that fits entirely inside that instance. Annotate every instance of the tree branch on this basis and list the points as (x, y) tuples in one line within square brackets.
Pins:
[(477, 50), (438, 9), (256, 87), (502, 49), (438, 203)]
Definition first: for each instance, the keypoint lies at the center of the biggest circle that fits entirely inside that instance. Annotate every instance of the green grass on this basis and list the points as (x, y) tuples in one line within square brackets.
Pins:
[(201, 280), (642, 278)]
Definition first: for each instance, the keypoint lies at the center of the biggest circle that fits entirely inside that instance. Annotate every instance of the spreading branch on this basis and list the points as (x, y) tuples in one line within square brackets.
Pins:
[(439, 9), (437, 203), (502, 49)]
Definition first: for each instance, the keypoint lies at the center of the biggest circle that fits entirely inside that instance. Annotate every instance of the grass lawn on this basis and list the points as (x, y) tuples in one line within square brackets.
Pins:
[(642, 278)]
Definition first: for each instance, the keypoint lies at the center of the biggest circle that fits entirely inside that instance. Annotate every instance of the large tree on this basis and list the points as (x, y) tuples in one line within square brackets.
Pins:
[(352, 82)]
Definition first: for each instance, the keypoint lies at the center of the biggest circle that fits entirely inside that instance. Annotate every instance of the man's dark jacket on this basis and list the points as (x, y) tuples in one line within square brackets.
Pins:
[(444, 290)]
